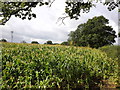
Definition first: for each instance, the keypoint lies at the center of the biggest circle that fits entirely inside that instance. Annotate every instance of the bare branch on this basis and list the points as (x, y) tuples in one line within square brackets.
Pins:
[(62, 19), (52, 3)]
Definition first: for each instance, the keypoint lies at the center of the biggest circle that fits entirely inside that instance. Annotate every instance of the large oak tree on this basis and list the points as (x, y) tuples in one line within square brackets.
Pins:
[(94, 33)]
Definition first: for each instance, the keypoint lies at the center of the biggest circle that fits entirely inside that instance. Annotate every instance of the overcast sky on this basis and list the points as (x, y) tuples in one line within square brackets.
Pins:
[(45, 27)]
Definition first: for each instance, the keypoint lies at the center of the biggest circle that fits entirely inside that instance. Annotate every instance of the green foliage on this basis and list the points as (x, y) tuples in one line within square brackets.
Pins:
[(34, 42), (23, 10), (94, 33), (3, 40), (64, 43), (44, 66), (119, 34), (74, 9), (114, 53), (55, 43), (49, 42)]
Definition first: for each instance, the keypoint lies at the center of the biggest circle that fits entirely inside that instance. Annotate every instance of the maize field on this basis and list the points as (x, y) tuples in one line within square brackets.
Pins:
[(54, 66)]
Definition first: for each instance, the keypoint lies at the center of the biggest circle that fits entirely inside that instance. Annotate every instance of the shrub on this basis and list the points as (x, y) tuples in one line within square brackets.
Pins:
[(34, 42), (64, 43), (113, 52), (3, 40), (49, 42)]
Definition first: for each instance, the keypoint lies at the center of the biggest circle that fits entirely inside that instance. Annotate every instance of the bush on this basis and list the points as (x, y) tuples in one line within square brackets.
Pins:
[(3, 40), (43, 66), (113, 52), (64, 43), (34, 42), (49, 42)]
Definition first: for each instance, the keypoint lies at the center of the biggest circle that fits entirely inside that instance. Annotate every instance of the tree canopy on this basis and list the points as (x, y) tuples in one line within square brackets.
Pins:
[(34, 42), (3, 40), (23, 10), (49, 42), (64, 43), (119, 34), (94, 33)]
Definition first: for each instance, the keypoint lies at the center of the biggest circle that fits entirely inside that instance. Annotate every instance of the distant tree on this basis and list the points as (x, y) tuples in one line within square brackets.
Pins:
[(23, 41), (34, 42), (94, 33), (55, 43), (64, 43), (3, 40), (49, 42)]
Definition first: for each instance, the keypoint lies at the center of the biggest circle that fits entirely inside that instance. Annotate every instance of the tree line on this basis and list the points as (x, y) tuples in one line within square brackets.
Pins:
[(32, 42)]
